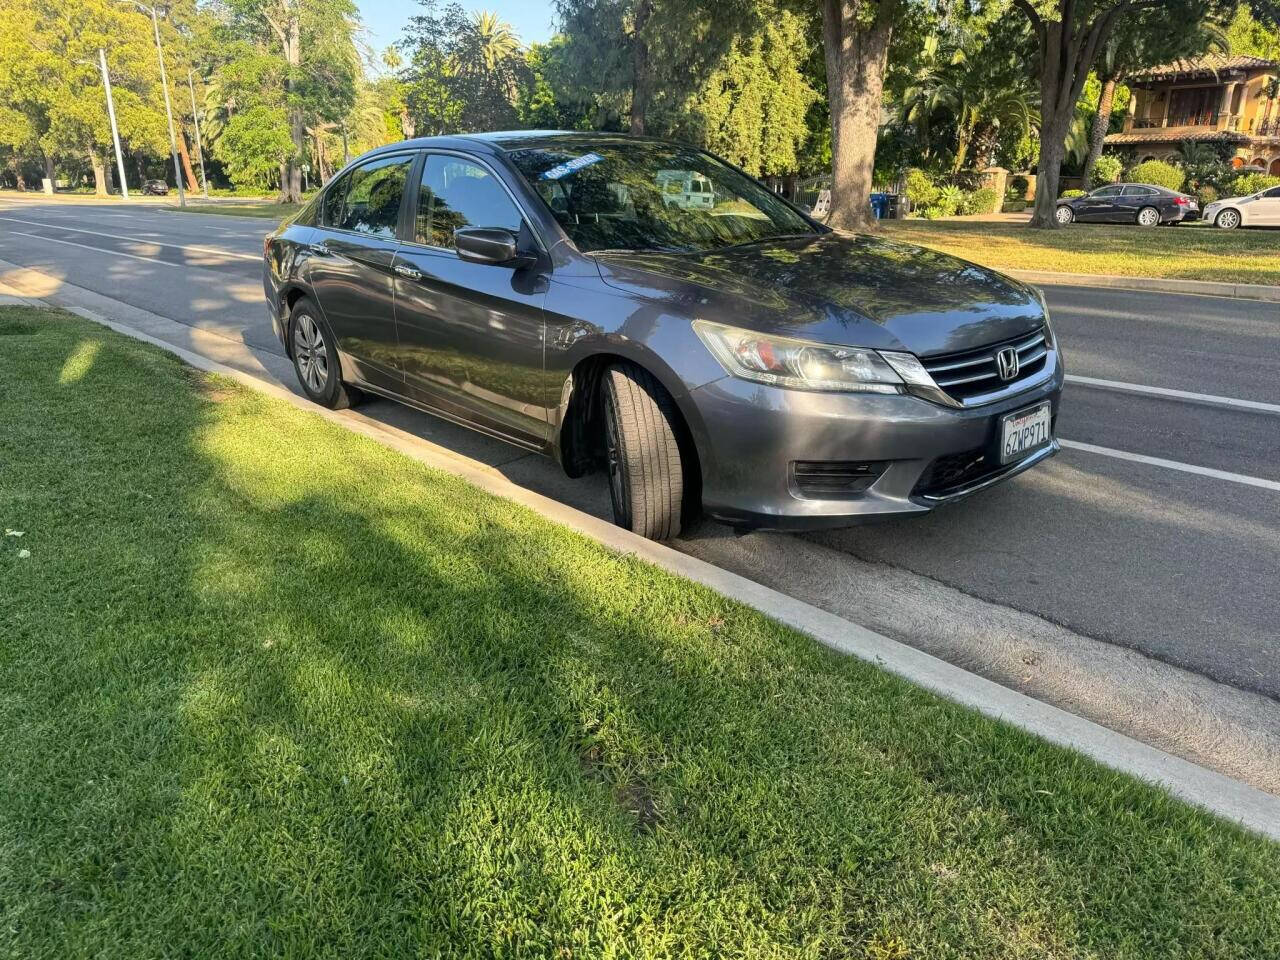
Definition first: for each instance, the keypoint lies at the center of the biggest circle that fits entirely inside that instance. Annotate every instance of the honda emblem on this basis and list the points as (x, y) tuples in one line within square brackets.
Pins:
[(1007, 363)]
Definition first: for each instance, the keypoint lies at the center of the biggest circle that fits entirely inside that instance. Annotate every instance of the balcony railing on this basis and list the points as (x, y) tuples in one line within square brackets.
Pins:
[(1204, 118), (1269, 128)]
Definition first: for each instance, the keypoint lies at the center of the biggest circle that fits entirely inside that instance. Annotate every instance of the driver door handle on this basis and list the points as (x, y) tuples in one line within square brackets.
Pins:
[(410, 273)]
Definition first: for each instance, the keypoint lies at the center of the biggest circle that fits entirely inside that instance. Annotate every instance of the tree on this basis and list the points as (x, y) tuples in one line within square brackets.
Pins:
[(856, 37), (752, 109), (465, 72), (314, 42), (51, 84), (1071, 35)]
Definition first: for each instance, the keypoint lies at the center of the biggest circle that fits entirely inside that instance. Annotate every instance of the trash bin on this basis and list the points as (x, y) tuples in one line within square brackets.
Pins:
[(896, 206), (880, 205)]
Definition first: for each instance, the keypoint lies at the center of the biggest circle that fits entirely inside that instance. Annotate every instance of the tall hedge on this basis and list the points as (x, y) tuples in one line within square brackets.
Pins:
[(1158, 174)]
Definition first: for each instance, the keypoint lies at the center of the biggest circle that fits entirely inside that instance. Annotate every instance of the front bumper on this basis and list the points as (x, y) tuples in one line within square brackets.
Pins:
[(921, 454)]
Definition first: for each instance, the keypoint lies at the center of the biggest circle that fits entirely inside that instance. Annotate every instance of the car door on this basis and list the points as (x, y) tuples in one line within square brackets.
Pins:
[(1265, 211), (349, 266), (471, 333), (1098, 206), (1133, 199)]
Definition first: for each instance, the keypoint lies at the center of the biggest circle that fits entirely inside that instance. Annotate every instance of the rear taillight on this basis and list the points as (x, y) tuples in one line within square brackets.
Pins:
[(1181, 201)]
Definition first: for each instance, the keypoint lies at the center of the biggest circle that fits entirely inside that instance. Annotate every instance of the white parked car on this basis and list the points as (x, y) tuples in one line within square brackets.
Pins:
[(1261, 209)]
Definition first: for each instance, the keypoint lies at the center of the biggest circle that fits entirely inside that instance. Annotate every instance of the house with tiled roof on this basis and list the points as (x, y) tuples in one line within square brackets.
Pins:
[(1229, 100)]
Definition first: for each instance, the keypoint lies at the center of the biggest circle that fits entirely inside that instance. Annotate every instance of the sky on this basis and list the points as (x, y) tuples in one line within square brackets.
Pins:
[(384, 19)]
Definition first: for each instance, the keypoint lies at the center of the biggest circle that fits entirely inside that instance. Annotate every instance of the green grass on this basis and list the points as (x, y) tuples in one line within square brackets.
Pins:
[(268, 688), (266, 211), (1189, 252)]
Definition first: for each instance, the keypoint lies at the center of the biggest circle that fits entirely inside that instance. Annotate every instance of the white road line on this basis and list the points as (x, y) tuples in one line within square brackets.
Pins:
[(1173, 465), (117, 236), (114, 253), (1175, 394)]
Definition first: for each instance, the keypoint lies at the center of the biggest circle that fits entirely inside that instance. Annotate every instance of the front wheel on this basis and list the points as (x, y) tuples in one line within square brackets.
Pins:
[(1148, 217), (1228, 220), (1064, 215), (646, 469)]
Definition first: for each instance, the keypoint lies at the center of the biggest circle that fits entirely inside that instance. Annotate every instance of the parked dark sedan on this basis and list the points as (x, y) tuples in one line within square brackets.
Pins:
[(732, 356), (1139, 203), (155, 188)]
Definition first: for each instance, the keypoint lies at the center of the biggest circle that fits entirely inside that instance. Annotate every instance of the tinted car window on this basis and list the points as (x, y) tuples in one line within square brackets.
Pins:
[(331, 212), (639, 195), (1106, 192), (1273, 193), (1139, 192), (371, 199), (460, 193)]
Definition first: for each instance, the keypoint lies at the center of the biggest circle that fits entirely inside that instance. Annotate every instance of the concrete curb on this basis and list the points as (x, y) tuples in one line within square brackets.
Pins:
[(1204, 288), (1253, 809)]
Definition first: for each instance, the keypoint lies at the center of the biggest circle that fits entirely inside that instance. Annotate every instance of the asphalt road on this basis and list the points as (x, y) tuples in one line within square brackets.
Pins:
[(1181, 565)]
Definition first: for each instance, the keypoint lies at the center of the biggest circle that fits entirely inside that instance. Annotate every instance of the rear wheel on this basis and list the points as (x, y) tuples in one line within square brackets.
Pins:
[(1228, 219), (1148, 217), (646, 470), (315, 358), (1064, 215)]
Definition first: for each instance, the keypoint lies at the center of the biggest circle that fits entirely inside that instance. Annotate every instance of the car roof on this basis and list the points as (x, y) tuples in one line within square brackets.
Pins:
[(508, 140)]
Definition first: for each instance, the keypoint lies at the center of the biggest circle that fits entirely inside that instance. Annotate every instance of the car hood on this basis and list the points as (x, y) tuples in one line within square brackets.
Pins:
[(834, 288), (1221, 200)]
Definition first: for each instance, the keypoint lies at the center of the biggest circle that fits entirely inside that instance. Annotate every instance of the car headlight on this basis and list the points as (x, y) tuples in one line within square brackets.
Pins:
[(797, 364), (1049, 340)]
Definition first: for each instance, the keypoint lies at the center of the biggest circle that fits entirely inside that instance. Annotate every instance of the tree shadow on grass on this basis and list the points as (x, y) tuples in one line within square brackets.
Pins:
[(297, 695)]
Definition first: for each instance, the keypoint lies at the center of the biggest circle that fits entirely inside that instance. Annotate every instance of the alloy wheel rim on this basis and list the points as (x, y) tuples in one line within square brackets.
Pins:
[(1148, 217), (1064, 215), (310, 353), (1228, 219)]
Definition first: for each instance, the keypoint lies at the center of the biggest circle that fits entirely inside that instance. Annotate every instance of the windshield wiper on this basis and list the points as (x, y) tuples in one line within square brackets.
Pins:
[(759, 240)]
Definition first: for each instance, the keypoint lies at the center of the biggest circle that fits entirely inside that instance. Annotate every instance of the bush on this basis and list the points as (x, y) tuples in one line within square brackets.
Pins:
[(1206, 195), (920, 189), (949, 200), (1158, 174), (982, 200), (1068, 194), (1248, 183), (1017, 188), (1106, 169), (1013, 206)]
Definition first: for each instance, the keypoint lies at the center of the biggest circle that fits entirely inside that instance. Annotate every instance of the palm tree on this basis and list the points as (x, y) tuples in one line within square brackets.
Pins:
[(494, 41)]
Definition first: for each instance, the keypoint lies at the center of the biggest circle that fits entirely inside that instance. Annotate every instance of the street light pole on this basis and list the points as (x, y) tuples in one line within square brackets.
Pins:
[(204, 180), (111, 112), (168, 109)]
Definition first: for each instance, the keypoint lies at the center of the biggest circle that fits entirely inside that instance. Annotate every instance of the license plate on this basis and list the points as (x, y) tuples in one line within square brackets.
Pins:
[(1024, 433)]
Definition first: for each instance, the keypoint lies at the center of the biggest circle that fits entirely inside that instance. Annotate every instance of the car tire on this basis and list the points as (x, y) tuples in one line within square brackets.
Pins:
[(1227, 219), (1064, 215), (313, 349), (645, 465), (1148, 217)]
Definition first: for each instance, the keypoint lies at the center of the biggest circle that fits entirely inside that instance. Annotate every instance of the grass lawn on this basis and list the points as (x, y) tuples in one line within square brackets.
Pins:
[(1190, 252), (268, 688), (266, 211)]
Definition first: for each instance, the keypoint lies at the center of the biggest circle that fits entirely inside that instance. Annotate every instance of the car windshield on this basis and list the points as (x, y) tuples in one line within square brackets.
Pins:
[(647, 196)]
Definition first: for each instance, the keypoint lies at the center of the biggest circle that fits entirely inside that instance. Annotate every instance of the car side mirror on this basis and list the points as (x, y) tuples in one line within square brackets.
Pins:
[(491, 245)]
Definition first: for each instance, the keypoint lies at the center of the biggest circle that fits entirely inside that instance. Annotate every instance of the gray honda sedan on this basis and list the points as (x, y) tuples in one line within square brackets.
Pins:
[(643, 307)]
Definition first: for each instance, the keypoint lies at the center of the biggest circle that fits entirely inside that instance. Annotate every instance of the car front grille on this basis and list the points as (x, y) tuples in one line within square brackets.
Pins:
[(975, 373), (835, 479)]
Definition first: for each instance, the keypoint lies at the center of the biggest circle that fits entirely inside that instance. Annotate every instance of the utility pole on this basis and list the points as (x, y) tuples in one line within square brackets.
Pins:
[(168, 108), (204, 180), (111, 112)]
